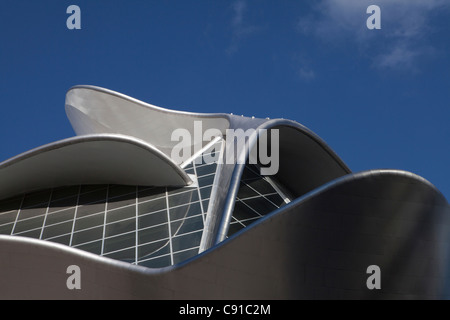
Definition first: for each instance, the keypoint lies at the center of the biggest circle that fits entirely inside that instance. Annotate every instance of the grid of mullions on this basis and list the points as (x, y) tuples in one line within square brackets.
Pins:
[(256, 197), (148, 226)]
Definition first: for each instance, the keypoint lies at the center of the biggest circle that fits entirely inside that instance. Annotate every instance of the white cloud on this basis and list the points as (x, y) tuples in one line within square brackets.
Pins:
[(402, 40), (239, 27), (399, 56), (306, 73)]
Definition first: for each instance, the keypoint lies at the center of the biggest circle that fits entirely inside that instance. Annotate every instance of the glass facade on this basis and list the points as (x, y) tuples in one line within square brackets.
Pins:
[(257, 196), (148, 226)]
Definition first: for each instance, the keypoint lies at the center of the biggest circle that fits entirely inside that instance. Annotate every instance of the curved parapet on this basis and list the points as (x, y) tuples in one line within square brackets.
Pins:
[(317, 247), (305, 162), (93, 110), (89, 159)]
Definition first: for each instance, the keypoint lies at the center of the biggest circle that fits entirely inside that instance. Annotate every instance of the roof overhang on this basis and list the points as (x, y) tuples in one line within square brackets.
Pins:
[(89, 159), (93, 110)]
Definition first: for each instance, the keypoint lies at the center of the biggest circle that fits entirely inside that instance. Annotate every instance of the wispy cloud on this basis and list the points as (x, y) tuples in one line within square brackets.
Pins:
[(240, 29), (399, 45), (304, 67)]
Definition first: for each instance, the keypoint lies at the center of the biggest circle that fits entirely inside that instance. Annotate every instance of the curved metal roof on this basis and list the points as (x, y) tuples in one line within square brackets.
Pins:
[(89, 159), (320, 237), (305, 163), (94, 110)]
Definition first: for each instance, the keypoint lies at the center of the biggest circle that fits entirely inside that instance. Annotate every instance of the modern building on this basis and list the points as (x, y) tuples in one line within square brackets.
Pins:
[(114, 202)]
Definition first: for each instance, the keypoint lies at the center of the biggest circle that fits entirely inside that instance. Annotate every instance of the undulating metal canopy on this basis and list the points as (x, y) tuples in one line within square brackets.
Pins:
[(332, 225), (89, 159)]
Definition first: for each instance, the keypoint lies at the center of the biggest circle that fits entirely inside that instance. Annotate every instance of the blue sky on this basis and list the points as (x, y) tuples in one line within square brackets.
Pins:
[(379, 98)]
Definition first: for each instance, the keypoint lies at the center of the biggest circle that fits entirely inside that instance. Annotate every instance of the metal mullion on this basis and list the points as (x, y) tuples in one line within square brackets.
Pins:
[(46, 214), (260, 194), (152, 212), (238, 221), (26, 231), (136, 252), (84, 243), (118, 250), (273, 185), (104, 222), (75, 216), (18, 213), (186, 218), (145, 201), (250, 207), (199, 194), (169, 228), (153, 258), (58, 236), (185, 204), (184, 250)]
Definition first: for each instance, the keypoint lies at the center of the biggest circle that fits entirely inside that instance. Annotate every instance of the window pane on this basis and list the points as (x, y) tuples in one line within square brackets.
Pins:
[(120, 242), (153, 249), (62, 240), (118, 190), (63, 203), (243, 212), (87, 235), (120, 227), (186, 241), (261, 186), (235, 227), (93, 247), (205, 169), (150, 193), (93, 196), (183, 198), (127, 255), (206, 180), (6, 228), (246, 192), (36, 199), (64, 192), (205, 192), (260, 205), (157, 262), (32, 234), (276, 200), (120, 214), (152, 219), (29, 224), (184, 211), (57, 230), (182, 256), (188, 225), (89, 209), (153, 234), (10, 204), (8, 217), (60, 216), (152, 206), (32, 212), (90, 221)]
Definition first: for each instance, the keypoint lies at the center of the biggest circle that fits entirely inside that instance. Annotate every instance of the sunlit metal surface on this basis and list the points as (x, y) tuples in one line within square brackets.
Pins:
[(89, 159), (317, 247), (328, 225)]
